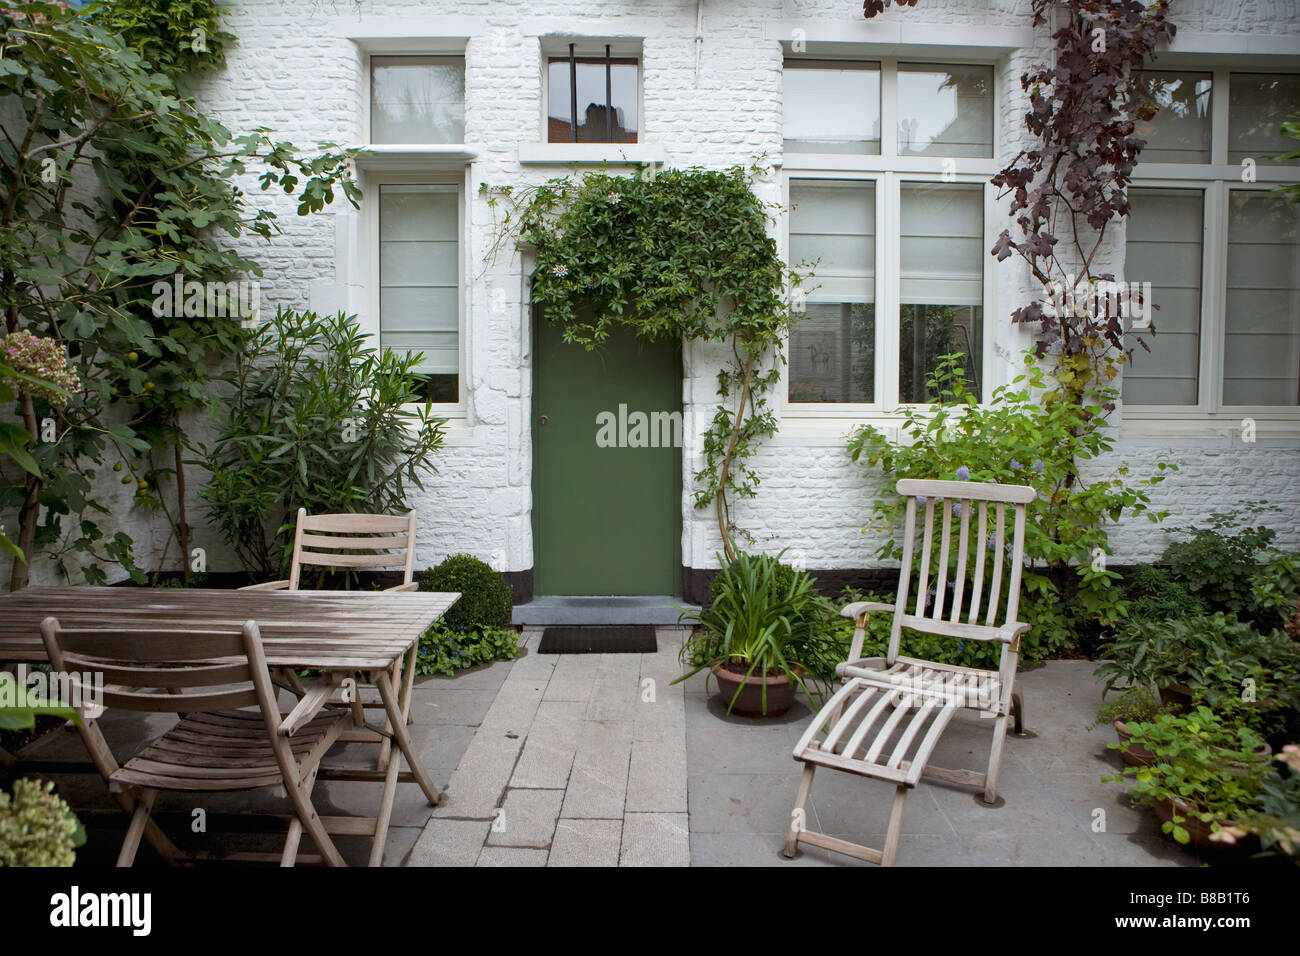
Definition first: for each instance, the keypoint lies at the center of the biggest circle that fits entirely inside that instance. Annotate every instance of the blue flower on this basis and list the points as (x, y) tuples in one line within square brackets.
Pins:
[(963, 473), (920, 499), (1015, 465), (956, 508), (1039, 467)]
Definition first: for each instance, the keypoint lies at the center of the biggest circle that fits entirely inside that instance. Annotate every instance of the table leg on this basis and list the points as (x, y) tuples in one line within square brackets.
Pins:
[(385, 810), (397, 721)]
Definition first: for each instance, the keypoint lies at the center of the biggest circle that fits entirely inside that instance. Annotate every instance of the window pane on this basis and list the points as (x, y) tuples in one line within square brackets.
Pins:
[(941, 283), (419, 281), (1261, 364), (832, 107), (417, 99), (598, 122), (833, 345), (945, 110), (1164, 248), (1180, 132), (1257, 105)]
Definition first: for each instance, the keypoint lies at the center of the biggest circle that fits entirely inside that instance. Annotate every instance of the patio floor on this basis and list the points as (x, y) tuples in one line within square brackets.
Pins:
[(599, 760)]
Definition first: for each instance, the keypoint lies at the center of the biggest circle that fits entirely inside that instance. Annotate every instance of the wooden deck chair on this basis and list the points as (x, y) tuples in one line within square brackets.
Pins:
[(229, 737), (889, 713), (366, 541)]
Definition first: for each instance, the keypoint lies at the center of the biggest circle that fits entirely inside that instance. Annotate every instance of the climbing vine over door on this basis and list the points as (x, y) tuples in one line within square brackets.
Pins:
[(683, 254)]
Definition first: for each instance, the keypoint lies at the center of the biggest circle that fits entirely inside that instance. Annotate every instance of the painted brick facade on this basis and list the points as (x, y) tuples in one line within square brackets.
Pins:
[(300, 69)]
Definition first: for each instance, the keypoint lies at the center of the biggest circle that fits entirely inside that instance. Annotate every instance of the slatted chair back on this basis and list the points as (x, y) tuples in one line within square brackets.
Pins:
[(353, 541), (963, 535), (158, 671)]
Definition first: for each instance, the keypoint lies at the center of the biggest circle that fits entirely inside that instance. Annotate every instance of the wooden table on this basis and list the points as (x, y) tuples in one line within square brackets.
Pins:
[(336, 632)]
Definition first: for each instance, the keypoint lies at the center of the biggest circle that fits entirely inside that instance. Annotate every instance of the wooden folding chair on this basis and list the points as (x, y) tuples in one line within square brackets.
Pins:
[(367, 541), (890, 712), (230, 736)]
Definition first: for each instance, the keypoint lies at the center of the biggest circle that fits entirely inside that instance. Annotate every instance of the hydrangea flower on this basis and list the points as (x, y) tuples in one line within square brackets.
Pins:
[(43, 358), (956, 508), (963, 473)]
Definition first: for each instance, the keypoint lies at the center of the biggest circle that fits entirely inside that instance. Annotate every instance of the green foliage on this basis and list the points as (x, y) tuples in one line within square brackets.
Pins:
[(445, 651), (1277, 820), (1220, 563), (112, 179), (1135, 704), (1214, 767), (485, 597), (762, 614), (312, 418), (37, 828), (1018, 439), (19, 708), (1243, 674), (1155, 595), (176, 36), (684, 254)]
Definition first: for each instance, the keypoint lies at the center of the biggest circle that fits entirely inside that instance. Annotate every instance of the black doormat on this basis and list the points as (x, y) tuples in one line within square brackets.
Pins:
[(623, 639)]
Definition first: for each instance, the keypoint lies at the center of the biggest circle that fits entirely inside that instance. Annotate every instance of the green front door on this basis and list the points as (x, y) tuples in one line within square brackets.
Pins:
[(607, 465)]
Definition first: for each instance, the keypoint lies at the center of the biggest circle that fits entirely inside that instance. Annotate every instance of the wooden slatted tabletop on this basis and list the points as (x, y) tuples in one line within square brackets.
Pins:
[(325, 630)]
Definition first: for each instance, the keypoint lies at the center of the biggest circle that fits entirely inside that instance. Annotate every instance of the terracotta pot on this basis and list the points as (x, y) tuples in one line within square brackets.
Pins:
[(780, 692), (1135, 755), (1177, 697), (1198, 831)]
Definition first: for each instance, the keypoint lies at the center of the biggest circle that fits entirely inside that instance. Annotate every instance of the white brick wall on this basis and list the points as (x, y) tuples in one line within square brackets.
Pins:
[(294, 70)]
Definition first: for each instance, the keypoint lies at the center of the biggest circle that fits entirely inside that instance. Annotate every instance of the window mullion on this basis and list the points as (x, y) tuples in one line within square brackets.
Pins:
[(1215, 296), (888, 259), (889, 107), (1219, 118)]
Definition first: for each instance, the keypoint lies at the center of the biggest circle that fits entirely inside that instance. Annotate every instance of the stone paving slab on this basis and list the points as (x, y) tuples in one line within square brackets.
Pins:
[(586, 843), (656, 839), (594, 773), (527, 819)]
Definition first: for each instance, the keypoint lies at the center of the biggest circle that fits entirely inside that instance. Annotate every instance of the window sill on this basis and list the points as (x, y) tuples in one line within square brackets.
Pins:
[(414, 157), (635, 154)]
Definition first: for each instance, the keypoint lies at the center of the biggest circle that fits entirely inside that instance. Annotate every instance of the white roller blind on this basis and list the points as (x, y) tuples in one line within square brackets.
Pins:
[(1163, 247), (1257, 105), (942, 244), (419, 276), (1261, 363), (417, 99), (831, 107), (834, 225), (1180, 132)]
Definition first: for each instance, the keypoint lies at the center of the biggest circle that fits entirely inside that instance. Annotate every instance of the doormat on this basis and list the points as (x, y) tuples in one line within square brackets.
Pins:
[(622, 639)]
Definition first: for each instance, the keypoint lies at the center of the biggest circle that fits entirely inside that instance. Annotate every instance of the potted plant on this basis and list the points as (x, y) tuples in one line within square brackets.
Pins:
[(750, 635), (1186, 658), (1207, 775), (1135, 704)]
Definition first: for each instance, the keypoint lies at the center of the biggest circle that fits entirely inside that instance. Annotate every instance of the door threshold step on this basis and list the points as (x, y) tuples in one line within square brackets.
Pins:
[(661, 610)]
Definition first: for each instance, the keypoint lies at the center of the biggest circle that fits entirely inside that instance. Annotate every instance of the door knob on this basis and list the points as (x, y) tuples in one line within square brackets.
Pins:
[(545, 419)]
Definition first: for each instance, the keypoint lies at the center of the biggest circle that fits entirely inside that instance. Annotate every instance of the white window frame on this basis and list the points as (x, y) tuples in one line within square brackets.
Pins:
[(457, 53), (369, 321), (1216, 178), (588, 46), (888, 171)]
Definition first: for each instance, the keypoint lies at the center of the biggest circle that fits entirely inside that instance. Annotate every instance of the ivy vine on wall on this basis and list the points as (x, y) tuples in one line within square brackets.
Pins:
[(682, 254)]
